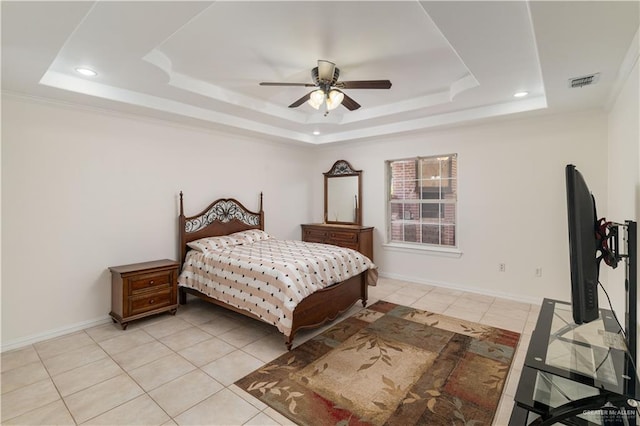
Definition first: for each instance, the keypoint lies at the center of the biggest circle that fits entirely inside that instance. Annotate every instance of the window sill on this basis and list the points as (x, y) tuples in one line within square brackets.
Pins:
[(415, 248)]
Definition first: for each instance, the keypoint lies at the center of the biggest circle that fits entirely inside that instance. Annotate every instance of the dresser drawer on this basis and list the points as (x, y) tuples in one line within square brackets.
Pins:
[(149, 302), (315, 235), (343, 236), (356, 237), (150, 281), (345, 244)]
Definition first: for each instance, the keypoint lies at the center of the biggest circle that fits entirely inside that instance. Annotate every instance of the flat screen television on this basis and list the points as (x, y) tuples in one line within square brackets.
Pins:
[(583, 247)]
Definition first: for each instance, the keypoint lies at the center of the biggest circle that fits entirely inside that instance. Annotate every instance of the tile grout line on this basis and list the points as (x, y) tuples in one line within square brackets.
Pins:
[(199, 368), (236, 348), (54, 385)]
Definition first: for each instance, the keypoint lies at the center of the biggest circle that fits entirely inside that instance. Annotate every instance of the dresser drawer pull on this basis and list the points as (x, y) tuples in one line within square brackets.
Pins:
[(151, 282), (151, 301)]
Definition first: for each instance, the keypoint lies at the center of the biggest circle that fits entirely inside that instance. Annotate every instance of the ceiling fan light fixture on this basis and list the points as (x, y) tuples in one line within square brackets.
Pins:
[(334, 99), (326, 94), (316, 98)]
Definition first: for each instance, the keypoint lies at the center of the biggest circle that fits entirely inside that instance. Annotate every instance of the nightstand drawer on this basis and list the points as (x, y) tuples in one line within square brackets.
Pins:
[(149, 281), (149, 302)]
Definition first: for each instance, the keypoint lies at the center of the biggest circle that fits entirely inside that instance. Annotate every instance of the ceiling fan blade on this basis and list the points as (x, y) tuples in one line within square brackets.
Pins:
[(300, 101), (266, 83), (364, 84), (325, 70), (349, 103)]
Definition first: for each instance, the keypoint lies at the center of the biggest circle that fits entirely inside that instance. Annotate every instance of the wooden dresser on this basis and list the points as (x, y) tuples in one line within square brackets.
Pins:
[(351, 236), (143, 289)]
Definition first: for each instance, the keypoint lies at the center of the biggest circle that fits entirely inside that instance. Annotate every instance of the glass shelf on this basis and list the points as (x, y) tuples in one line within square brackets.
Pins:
[(578, 369), (594, 353)]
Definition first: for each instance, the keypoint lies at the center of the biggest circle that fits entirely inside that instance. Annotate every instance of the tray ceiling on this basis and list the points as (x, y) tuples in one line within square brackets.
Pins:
[(200, 63)]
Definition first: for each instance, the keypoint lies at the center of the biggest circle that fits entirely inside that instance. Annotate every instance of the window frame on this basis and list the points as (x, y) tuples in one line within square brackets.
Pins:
[(439, 200)]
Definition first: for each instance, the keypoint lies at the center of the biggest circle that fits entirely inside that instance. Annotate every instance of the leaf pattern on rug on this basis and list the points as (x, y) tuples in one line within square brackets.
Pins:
[(270, 387), (391, 388), (495, 381), (457, 412), (270, 368), (368, 315), (431, 394), (475, 331), (317, 370), (338, 330), (457, 408), (373, 341), (392, 365), (499, 352), (414, 313), (445, 322)]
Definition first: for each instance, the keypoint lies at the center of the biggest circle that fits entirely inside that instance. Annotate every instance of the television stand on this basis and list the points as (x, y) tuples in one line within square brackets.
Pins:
[(576, 374)]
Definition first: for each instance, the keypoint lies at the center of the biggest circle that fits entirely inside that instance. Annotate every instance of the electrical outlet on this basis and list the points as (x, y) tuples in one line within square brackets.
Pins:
[(538, 272), (502, 267)]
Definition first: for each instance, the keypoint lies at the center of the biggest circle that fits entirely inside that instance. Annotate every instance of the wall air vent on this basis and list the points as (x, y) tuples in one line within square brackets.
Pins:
[(584, 80)]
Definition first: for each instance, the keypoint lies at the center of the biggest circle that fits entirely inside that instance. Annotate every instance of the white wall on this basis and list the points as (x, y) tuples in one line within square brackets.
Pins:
[(624, 164), (83, 190), (512, 200), (87, 190)]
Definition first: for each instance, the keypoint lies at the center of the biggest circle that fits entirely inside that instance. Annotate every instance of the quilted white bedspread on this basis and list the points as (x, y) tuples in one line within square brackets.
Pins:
[(269, 278)]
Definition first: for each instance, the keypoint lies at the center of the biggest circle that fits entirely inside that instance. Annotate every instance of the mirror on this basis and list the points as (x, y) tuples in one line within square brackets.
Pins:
[(342, 194)]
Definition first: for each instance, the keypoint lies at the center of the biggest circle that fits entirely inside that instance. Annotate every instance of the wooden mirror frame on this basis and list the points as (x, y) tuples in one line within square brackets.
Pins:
[(342, 168)]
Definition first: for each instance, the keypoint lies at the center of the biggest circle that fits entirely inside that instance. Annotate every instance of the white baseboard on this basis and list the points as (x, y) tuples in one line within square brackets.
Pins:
[(35, 338), (29, 340), (515, 297)]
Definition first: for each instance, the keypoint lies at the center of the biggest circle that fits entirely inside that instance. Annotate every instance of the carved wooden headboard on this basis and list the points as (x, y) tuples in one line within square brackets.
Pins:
[(224, 216)]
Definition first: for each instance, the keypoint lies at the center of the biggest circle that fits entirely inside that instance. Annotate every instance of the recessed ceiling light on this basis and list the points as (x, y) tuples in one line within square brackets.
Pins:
[(86, 71), (520, 94), (316, 132)]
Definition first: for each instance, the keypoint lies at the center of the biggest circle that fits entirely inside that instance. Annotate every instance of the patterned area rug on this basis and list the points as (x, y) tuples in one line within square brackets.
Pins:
[(390, 364)]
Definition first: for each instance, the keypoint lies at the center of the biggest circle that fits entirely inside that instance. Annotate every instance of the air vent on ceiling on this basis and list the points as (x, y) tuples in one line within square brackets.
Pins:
[(584, 80)]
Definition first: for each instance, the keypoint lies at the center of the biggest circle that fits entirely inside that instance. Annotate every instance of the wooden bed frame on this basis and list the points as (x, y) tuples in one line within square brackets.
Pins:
[(226, 216)]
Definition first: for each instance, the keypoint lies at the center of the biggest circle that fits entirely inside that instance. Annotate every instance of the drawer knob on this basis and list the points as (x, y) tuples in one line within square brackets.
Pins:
[(151, 301), (151, 282)]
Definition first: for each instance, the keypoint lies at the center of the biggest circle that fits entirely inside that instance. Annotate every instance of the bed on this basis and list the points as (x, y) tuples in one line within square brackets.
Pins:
[(228, 259)]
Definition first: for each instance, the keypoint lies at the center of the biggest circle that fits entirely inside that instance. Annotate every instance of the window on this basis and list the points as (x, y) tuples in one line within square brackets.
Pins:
[(422, 200)]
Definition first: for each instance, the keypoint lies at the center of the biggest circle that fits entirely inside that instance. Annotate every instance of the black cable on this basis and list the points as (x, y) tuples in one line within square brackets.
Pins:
[(603, 360), (635, 370), (633, 364), (614, 313)]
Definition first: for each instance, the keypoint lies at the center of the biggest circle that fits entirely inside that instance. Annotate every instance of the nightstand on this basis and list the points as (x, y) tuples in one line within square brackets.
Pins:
[(142, 289)]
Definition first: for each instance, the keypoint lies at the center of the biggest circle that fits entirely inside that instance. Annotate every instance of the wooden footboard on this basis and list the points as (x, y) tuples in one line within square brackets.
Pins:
[(326, 304), (318, 308), (182, 298)]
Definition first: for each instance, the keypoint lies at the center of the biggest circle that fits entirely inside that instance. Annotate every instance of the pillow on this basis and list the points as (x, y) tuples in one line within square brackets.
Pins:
[(215, 243), (251, 235)]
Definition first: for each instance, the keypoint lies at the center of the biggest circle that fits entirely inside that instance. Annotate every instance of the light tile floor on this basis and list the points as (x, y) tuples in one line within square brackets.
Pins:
[(181, 369)]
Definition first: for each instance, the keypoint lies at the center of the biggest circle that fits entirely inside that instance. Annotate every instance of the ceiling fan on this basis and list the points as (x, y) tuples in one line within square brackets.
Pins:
[(325, 78)]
